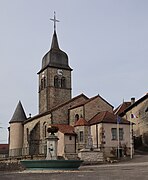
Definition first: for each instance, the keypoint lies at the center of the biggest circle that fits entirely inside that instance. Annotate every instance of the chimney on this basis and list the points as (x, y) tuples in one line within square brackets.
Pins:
[(132, 100)]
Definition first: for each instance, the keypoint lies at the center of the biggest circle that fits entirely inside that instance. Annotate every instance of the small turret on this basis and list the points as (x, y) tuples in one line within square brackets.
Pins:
[(19, 114), (17, 131)]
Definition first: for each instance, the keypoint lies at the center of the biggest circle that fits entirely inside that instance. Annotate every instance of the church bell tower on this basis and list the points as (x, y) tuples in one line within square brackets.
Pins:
[(54, 76)]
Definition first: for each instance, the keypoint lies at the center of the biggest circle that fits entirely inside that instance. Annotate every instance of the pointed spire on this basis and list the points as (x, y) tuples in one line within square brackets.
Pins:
[(54, 44), (19, 114)]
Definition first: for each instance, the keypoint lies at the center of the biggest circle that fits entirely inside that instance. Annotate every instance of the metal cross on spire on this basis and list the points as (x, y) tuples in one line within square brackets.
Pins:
[(54, 20)]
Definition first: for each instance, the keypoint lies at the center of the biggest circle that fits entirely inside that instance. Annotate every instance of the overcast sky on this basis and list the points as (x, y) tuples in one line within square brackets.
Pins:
[(106, 41)]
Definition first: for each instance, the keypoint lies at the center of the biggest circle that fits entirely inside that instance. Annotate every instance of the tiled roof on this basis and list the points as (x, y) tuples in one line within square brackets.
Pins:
[(81, 122), (65, 129), (136, 103), (89, 100), (4, 148), (120, 109), (106, 117), (55, 108)]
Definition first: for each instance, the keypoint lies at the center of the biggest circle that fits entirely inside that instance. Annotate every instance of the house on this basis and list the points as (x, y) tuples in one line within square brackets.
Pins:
[(104, 129), (137, 113), (4, 150)]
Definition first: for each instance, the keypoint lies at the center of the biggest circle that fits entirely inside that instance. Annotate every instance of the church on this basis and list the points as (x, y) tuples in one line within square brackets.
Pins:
[(83, 122)]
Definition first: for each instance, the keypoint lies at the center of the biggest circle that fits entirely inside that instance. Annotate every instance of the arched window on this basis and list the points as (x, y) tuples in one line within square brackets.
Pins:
[(44, 130), (63, 82), (56, 83), (76, 117), (43, 83)]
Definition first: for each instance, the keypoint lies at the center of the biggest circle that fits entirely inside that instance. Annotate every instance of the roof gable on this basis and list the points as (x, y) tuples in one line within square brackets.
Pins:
[(106, 117), (121, 108), (90, 100), (136, 103), (81, 122), (57, 107)]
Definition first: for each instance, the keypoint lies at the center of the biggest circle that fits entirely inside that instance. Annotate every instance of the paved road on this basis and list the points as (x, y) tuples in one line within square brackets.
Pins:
[(136, 169)]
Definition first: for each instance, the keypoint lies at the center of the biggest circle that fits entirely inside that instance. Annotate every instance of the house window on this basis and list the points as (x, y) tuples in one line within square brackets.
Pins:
[(81, 136), (70, 138), (121, 133), (115, 135)]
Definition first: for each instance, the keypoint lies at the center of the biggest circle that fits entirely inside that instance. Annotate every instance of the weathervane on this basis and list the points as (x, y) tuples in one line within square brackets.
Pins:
[(54, 21)]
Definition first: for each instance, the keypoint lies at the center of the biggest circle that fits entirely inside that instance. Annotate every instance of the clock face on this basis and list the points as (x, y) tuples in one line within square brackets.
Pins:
[(60, 72)]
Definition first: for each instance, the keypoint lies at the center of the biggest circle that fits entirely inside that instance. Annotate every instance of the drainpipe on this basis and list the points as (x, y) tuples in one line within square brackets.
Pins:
[(97, 135)]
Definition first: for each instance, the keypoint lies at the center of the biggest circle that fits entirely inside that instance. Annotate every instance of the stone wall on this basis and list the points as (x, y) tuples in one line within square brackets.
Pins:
[(96, 105), (60, 115), (140, 122), (91, 156), (11, 166)]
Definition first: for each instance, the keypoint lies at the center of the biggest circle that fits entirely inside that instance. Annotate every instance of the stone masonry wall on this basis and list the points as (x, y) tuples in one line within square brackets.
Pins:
[(91, 156), (60, 115), (96, 105)]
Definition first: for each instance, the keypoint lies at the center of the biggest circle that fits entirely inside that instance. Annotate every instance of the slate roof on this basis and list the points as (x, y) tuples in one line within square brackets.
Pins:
[(55, 57), (81, 122), (19, 114), (106, 117)]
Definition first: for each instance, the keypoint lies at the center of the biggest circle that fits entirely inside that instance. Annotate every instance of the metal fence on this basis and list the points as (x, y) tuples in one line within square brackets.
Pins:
[(40, 149)]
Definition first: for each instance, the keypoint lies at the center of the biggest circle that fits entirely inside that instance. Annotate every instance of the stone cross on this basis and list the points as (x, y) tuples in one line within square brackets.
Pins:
[(54, 21)]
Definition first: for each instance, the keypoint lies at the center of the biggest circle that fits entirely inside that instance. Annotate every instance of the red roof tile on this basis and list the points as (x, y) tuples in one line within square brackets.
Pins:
[(106, 117), (120, 109), (65, 129), (81, 122), (4, 148)]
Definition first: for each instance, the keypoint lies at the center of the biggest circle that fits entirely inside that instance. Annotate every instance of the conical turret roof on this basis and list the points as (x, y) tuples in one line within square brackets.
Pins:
[(19, 114)]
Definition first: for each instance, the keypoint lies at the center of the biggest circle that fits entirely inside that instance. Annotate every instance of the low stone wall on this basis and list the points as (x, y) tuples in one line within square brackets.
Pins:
[(11, 166), (13, 163), (91, 156)]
